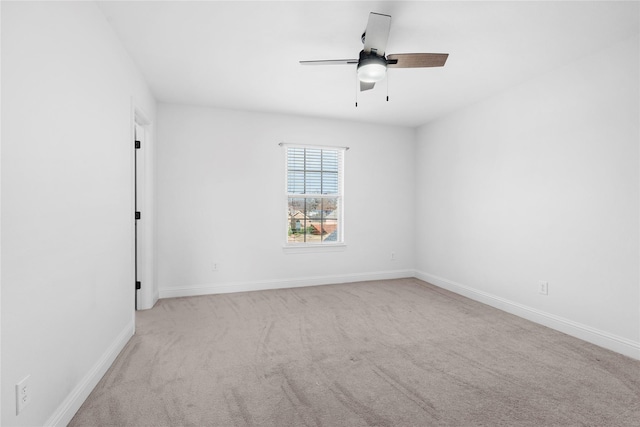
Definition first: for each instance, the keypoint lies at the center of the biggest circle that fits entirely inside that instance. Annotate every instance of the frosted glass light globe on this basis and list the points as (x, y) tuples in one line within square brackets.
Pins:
[(372, 72)]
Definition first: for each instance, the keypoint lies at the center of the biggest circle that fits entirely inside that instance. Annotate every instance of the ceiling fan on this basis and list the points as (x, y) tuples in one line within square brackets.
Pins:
[(373, 64)]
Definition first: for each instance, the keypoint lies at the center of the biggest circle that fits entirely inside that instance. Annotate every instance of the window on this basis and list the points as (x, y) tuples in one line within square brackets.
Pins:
[(314, 195)]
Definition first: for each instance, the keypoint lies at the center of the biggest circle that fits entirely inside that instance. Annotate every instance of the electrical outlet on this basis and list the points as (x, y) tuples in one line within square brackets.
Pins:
[(543, 288), (214, 266), (393, 256), (23, 394)]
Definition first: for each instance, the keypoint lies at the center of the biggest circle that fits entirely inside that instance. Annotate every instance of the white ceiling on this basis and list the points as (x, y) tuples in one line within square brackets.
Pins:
[(244, 55)]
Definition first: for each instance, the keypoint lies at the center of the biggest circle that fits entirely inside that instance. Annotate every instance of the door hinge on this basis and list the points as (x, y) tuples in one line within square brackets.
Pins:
[(138, 284), (138, 215), (138, 144)]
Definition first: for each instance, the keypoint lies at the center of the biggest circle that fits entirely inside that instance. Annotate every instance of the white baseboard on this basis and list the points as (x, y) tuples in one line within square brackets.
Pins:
[(587, 333), (208, 289), (65, 412)]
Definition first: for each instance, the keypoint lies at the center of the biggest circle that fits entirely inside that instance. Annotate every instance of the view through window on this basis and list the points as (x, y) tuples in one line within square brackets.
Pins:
[(314, 195)]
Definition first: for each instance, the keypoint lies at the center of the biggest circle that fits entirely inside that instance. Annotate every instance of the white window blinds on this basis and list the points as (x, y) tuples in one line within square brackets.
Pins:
[(313, 171)]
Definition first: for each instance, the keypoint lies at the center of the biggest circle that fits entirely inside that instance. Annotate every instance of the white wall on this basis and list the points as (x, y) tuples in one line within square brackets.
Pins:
[(67, 203), (220, 198), (541, 183)]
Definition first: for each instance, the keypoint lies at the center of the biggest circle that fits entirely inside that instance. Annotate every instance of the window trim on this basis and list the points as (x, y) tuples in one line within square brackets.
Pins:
[(305, 247)]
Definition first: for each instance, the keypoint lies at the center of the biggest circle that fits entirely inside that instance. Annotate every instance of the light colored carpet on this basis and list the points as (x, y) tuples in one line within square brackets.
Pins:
[(384, 353)]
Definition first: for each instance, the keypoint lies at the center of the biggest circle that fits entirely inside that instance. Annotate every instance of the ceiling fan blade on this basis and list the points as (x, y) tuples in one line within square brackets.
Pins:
[(416, 60), (330, 62), (377, 33), (366, 86)]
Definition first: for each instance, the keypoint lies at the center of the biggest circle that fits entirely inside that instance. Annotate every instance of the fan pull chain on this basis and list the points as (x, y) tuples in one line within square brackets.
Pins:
[(387, 87), (357, 83)]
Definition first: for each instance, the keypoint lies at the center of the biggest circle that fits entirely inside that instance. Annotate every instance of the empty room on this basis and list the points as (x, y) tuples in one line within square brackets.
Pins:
[(320, 213)]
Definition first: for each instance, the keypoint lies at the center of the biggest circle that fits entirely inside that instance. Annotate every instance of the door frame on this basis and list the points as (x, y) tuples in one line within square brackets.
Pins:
[(148, 294)]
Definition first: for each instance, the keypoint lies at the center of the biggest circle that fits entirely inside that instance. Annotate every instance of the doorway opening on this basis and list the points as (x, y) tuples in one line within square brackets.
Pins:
[(145, 293), (137, 180)]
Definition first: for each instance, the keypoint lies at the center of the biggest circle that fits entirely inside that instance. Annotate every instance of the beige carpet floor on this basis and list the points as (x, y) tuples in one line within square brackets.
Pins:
[(383, 353)]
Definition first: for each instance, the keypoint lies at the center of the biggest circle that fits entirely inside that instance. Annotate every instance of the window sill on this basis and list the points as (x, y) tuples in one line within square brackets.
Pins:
[(310, 248)]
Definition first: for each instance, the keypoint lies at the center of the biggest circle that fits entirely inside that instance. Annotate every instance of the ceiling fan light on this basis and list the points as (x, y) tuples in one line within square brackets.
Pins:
[(371, 67), (372, 72)]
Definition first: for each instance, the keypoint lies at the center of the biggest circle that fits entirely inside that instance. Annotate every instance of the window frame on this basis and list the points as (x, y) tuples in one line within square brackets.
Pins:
[(300, 247)]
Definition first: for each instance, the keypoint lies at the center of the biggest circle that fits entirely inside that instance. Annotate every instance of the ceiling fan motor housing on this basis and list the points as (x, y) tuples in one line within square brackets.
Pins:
[(371, 67)]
